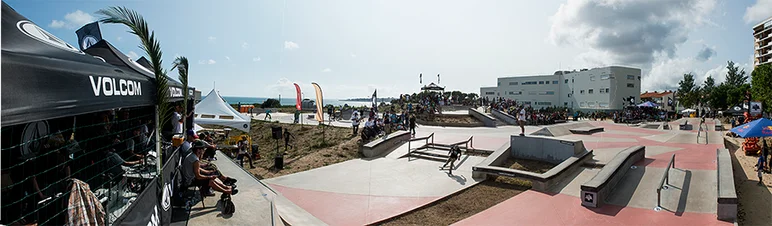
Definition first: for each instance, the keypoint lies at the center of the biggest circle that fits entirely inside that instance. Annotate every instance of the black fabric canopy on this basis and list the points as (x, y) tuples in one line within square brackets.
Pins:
[(115, 57), (44, 77)]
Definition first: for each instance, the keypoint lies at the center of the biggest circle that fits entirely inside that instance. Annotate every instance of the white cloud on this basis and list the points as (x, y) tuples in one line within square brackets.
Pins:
[(212, 39), (256, 59), (353, 55), (73, 20), (210, 61), (290, 45), (326, 70), (227, 58), (245, 45), (57, 24), (133, 55), (758, 12)]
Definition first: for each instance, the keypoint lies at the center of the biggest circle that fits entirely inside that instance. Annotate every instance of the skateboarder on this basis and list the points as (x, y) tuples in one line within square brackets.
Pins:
[(454, 152)]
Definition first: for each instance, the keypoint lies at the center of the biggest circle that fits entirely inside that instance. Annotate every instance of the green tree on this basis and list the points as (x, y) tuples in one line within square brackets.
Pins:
[(271, 103), (735, 77), (761, 86), (687, 91), (736, 94), (718, 96)]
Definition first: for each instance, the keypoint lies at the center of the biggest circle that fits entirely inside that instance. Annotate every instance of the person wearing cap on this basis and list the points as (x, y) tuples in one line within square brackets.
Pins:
[(194, 175)]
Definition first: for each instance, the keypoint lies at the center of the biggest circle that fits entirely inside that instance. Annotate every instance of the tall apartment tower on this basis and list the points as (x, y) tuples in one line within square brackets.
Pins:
[(762, 36)]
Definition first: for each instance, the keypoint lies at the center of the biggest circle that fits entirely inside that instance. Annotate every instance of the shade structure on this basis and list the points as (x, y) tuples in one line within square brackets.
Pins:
[(688, 110), (215, 111), (648, 104), (45, 78), (757, 128), (432, 87)]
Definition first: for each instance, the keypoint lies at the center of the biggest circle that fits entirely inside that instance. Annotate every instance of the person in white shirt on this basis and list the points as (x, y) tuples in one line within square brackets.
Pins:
[(521, 120), (355, 122), (177, 120)]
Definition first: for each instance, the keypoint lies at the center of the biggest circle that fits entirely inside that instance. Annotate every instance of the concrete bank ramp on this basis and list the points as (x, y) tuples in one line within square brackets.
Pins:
[(561, 129)]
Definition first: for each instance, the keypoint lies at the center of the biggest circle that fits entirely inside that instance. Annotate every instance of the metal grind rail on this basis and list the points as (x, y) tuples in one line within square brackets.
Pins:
[(665, 181), (426, 139)]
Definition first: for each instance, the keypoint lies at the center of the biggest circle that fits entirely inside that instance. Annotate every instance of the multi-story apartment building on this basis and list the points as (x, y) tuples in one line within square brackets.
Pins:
[(607, 88), (762, 35)]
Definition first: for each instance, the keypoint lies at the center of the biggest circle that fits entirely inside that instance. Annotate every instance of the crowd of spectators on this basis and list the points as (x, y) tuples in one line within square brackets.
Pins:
[(541, 116)]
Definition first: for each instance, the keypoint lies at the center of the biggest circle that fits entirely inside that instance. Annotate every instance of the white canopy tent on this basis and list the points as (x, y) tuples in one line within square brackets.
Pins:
[(213, 110)]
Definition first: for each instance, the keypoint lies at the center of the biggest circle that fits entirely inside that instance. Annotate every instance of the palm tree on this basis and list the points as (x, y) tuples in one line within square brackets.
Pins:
[(181, 63), (151, 46)]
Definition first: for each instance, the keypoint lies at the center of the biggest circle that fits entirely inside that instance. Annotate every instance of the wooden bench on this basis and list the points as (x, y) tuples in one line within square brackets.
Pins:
[(596, 190), (586, 130)]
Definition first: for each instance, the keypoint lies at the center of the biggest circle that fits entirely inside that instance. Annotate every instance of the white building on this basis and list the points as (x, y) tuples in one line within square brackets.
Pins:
[(762, 35), (586, 90)]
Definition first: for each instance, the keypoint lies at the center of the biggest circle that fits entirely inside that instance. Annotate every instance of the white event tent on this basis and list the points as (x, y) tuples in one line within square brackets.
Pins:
[(213, 110)]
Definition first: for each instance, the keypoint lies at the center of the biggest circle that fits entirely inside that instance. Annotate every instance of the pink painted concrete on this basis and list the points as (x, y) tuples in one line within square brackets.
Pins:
[(348, 209), (535, 208)]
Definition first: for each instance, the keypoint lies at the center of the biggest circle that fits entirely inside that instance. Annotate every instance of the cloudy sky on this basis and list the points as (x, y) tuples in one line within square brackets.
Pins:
[(352, 47)]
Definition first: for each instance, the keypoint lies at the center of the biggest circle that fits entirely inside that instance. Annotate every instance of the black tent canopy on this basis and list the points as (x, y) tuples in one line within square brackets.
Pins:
[(44, 77), (112, 55)]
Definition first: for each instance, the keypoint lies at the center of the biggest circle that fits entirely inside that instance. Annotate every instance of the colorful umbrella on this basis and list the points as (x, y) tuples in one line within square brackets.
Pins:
[(757, 128), (647, 104)]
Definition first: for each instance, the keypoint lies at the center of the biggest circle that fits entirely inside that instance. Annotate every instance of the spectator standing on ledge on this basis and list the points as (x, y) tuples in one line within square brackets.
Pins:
[(521, 120), (412, 124), (243, 145)]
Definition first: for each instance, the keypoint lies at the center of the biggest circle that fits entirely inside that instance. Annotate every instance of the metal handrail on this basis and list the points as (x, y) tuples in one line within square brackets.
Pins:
[(426, 139), (665, 180)]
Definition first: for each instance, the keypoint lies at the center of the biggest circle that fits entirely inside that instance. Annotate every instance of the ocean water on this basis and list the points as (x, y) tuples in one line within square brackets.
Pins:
[(288, 101)]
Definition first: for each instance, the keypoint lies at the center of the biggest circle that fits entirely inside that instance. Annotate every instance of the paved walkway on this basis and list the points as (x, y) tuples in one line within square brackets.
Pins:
[(252, 208), (690, 199)]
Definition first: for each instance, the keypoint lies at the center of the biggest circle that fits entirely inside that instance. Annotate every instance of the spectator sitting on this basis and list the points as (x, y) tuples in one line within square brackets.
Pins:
[(194, 175)]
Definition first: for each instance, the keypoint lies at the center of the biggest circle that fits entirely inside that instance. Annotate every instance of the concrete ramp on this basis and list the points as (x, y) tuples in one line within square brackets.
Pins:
[(547, 149), (561, 129)]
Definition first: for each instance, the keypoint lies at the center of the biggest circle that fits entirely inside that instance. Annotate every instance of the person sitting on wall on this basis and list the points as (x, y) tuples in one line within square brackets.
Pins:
[(194, 175)]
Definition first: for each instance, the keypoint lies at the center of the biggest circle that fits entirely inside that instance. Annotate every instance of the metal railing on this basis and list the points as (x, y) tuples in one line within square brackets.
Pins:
[(699, 131), (426, 139), (467, 143), (665, 181)]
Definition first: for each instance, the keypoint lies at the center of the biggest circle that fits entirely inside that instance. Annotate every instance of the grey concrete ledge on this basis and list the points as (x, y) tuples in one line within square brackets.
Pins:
[(541, 181), (727, 195), (586, 130), (387, 143), (486, 119), (604, 182), (504, 117), (448, 124)]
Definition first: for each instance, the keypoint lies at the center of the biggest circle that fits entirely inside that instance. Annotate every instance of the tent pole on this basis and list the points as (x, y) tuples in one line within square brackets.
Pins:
[(158, 141)]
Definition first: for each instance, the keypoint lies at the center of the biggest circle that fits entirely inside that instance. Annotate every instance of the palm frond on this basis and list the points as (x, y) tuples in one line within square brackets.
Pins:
[(181, 63), (139, 27)]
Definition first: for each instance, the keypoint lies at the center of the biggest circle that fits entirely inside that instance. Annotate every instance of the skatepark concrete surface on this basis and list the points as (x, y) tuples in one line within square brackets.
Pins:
[(689, 199), (252, 208)]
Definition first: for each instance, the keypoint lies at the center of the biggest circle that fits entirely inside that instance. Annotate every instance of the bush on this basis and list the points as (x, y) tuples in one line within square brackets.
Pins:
[(271, 103)]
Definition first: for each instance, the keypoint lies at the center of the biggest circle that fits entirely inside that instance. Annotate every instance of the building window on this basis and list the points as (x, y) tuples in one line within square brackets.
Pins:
[(604, 77), (607, 89), (555, 82), (591, 104), (602, 90), (529, 83), (589, 91), (565, 103), (639, 77), (546, 82), (581, 91), (566, 81), (603, 104), (532, 92), (544, 103), (541, 82), (549, 93), (569, 95), (592, 78), (490, 93), (572, 80), (512, 83), (582, 104), (630, 85), (499, 83), (515, 93), (527, 102), (630, 77)]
